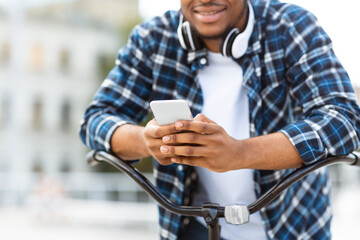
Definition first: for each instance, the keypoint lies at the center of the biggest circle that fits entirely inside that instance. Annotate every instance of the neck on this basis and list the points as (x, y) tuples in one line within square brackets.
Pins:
[(212, 45)]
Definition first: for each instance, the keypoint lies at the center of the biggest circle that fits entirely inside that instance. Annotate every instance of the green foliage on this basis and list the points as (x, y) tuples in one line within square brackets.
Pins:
[(125, 29), (145, 165), (105, 64)]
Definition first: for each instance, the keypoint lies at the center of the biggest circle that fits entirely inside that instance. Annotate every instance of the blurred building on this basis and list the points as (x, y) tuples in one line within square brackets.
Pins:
[(52, 60), (357, 91)]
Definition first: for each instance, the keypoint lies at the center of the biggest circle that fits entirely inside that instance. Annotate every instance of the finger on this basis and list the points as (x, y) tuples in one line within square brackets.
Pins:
[(190, 151), (186, 138), (197, 126), (157, 131), (202, 118), (191, 161), (154, 144), (152, 122), (165, 161)]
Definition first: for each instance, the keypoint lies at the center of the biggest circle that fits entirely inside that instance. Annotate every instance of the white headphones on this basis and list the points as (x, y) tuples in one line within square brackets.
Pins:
[(233, 45)]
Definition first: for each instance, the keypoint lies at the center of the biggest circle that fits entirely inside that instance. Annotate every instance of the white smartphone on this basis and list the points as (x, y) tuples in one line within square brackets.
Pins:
[(169, 111)]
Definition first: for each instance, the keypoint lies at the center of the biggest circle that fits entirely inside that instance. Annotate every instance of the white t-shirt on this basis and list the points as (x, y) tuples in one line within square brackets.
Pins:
[(226, 103)]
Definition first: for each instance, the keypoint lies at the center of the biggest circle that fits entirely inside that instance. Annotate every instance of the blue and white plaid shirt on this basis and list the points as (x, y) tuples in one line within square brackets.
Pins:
[(295, 85)]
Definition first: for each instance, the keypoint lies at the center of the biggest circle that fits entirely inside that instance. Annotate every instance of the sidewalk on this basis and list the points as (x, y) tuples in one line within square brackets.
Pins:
[(93, 220), (346, 210), (81, 220)]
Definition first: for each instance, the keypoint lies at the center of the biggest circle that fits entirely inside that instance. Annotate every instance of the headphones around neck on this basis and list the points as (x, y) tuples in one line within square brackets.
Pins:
[(233, 45)]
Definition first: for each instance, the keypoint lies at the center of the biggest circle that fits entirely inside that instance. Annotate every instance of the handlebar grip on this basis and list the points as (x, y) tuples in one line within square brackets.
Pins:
[(357, 159), (91, 160)]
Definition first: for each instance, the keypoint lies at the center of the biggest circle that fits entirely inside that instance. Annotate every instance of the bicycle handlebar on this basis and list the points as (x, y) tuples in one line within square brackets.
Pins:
[(275, 191), (94, 158)]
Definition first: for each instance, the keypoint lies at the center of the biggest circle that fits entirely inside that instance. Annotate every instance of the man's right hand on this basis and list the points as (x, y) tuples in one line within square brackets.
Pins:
[(130, 142), (153, 134)]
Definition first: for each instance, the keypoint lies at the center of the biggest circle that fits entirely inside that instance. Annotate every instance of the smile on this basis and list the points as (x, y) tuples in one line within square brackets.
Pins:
[(209, 13)]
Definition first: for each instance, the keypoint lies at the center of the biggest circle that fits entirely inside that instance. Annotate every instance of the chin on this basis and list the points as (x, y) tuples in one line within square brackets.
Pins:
[(211, 34)]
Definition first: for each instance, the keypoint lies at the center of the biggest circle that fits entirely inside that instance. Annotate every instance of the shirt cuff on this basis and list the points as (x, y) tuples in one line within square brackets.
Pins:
[(105, 128), (306, 141)]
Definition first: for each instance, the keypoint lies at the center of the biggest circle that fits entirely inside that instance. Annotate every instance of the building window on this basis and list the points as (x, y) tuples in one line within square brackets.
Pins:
[(65, 165), (36, 58), (65, 115), (37, 166), (104, 64), (4, 111), (37, 120), (4, 54), (64, 61)]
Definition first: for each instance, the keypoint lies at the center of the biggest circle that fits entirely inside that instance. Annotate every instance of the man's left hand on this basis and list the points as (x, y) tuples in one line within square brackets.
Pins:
[(204, 143)]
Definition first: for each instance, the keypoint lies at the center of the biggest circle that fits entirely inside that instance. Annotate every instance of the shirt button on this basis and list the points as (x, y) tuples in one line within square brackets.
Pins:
[(203, 61), (193, 176), (188, 181), (180, 168)]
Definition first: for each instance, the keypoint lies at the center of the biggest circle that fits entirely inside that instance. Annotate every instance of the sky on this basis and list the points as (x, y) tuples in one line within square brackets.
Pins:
[(151, 8)]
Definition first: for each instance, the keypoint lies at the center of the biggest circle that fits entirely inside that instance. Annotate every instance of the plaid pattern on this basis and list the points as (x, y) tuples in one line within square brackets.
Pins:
[(295, 85)]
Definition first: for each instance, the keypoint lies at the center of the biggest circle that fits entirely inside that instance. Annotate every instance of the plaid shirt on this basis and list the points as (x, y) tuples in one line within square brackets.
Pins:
[(295, 85)]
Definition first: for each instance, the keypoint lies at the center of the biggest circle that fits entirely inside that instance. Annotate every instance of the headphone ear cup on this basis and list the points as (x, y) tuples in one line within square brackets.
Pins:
[(185, 36), (226, 44), (191, 39), (198, 42), (239, 46), (236, 43), (188, 38), (181, 32)]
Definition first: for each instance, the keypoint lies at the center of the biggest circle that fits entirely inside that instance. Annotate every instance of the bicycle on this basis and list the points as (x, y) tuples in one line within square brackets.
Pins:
[(211, 212)]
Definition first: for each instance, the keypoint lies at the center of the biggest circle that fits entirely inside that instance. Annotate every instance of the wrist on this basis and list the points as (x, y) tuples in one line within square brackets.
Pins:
[(144, 149), (128, 142), (241, 161)]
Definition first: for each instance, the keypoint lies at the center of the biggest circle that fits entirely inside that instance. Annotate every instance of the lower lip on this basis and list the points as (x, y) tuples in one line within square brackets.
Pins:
[(209, 18)]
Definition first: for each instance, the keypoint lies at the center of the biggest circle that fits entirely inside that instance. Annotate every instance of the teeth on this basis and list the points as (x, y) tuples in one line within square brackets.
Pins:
[(208, 13)]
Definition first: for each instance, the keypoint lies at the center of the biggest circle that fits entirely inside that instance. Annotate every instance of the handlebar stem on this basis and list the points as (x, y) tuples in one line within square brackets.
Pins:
[(211, 216)]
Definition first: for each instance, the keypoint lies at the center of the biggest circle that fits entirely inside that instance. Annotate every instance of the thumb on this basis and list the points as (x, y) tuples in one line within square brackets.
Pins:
[(152, 122), (202, 118)]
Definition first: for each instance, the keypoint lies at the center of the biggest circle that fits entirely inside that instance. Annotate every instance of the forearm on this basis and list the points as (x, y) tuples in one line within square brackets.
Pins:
[(268, 152), (127, 142)]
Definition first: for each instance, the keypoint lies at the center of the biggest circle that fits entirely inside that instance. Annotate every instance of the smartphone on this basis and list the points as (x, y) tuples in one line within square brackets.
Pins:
[(169, 111)]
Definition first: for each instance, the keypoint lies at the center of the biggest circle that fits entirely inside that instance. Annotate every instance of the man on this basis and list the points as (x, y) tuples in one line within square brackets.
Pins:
[(277, 99)]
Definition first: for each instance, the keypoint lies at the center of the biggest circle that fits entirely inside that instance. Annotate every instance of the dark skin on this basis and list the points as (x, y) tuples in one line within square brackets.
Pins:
[(206, 144)]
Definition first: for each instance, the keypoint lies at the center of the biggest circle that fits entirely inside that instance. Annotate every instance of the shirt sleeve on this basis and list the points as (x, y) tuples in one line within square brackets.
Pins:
[(123, 96), (321, 88)]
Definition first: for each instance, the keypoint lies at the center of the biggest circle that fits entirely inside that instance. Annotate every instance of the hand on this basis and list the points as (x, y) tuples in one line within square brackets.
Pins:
[(206, 144), (153, 134)]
